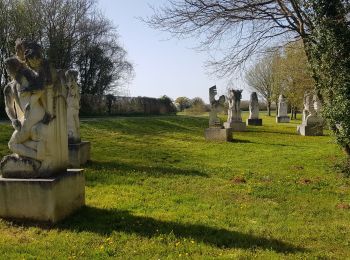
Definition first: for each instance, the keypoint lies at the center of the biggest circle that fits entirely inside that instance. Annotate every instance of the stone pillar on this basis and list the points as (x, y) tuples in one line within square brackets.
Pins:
[(254, 111), (282, 116)]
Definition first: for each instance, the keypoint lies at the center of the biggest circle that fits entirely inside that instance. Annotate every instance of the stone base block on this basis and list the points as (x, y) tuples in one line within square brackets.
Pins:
[(218, 134), (236, 126), (310, 130), (48, 200), (79, 153), (282, 119), (257, 122)]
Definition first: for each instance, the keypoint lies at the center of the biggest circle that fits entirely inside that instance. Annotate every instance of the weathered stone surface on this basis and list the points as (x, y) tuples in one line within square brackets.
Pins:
[(312, 122), (79, 153), (48, 200), (73, 106), (236, 126), (282, 116), (310, 130), (282, 119), (38, 114), (256, 122), (216, 107), (218, 134), (254, 106)]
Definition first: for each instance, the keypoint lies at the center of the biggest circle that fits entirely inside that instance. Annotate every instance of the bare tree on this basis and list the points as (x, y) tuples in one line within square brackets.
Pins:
[(261, 79), (238, 28)]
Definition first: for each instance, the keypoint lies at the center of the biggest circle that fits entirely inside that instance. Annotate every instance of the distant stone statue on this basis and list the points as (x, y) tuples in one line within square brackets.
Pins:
[(73, 106), (254, 110), (234, 117), (38, 114), (282, 116), (216, 132), (312, 122), (216, 107)]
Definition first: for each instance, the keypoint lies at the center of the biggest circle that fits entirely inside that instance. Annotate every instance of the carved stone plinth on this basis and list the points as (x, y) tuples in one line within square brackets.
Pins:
[(218, 134), (282, 119), (79, 153), (256, 122), (236, 126), (310, 130), (48, 200)]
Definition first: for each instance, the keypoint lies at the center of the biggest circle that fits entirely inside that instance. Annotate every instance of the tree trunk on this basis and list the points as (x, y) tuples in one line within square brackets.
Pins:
[(269, 108)]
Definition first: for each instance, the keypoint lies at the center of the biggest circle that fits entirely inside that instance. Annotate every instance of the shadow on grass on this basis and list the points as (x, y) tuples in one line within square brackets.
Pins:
[(106, 221), (154, 171)]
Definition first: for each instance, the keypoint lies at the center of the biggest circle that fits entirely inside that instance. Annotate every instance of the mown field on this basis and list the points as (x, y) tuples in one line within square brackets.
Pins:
[(156, 189)]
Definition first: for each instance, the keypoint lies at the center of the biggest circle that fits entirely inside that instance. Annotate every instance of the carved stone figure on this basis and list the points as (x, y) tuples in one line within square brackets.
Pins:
[(216, 107), (234, 117), (216, 132), (312, 122), (282, 116), (37, 111), (73, 106), (254, 110)]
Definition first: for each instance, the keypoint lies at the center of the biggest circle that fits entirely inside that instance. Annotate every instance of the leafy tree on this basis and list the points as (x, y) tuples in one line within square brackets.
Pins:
[(183, 103), (74, 34)]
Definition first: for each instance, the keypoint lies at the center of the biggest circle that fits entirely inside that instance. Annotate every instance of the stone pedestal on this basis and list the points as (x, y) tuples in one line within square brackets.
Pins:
[(218, 134), (282, 119), (310, 130), (236, 126), (79, 153), (48, 200), (256, 121)]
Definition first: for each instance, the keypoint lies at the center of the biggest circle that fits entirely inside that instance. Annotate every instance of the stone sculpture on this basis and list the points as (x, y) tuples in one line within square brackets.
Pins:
[(216, 132), (282, 116), (234, 118), (79, 151), (35, 183), (312, 122), (38, 114), (254, 111), (73, 106), (216, 106)]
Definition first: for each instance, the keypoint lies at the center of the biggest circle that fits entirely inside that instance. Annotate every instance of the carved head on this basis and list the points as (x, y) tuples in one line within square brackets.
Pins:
[(237, 93), (71, 76), (13, 66), (30, 52), (254, 97)]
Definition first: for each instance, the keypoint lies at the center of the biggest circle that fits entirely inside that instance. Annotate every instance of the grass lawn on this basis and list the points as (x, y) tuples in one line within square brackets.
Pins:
[(156, 189)]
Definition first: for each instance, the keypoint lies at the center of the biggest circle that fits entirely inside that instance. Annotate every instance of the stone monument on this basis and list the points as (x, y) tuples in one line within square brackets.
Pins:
[(312, 122), (234, 118), (282, 116), (254, 111), (35, 183), (216, 132), (79, 151)]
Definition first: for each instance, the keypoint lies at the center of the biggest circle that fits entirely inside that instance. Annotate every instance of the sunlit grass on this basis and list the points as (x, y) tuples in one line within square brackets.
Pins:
[(156, 189)]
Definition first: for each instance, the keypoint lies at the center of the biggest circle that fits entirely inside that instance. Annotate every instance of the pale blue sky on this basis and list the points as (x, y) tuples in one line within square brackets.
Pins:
[(163, 66)]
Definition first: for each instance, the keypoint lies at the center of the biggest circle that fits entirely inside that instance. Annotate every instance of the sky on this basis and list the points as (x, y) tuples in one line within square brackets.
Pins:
[(163, 65)]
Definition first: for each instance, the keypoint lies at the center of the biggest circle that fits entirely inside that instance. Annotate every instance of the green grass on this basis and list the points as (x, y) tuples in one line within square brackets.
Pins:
[(156, 189)]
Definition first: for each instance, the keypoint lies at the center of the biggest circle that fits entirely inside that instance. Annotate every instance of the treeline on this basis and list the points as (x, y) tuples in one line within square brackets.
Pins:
[(102, 105), (282, 71), (74, 34)]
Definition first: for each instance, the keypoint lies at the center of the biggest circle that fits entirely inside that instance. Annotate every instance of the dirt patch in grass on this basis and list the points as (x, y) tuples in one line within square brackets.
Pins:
[(343, 206), (239, 180)]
